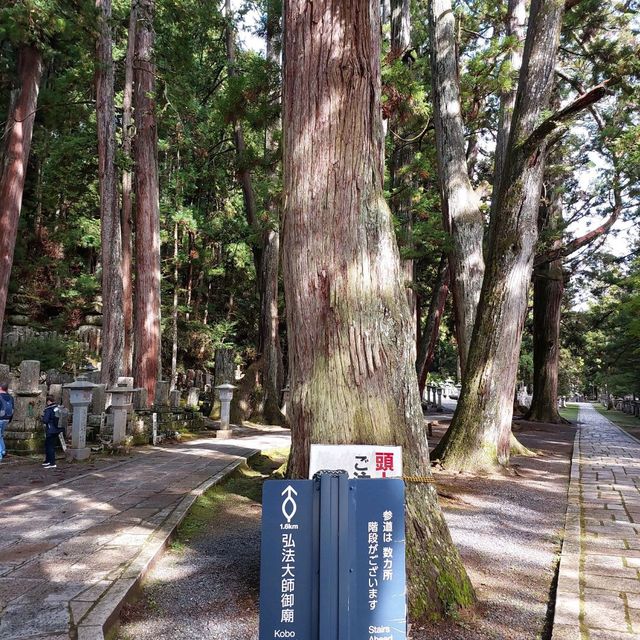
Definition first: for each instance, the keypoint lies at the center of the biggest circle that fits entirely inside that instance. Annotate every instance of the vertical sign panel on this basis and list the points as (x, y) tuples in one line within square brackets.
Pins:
[(287, 560), (378, 593)]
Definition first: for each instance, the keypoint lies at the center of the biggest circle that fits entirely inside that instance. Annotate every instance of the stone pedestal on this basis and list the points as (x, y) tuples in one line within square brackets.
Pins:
[(120, 405), (24, 434), (225, 392), (80, 398)]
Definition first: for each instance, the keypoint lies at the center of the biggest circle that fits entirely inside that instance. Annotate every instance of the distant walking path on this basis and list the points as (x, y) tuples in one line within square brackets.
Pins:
[(598, 595), (70, 553)]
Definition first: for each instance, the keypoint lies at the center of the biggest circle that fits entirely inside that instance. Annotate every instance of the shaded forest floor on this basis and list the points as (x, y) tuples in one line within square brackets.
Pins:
[(508, 528)]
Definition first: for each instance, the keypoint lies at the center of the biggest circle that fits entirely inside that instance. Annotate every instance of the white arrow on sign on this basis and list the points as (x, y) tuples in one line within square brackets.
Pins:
[(289, 506)]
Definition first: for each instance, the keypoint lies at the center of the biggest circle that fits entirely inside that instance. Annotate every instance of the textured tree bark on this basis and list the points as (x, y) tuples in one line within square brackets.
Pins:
[(147, 241), (548, 287), (110, 235), (269, 339), (18, 132), (516, 28), (174, 310), (480, 432), (461, 207), (351, 348), (429, 338), (127, 204)]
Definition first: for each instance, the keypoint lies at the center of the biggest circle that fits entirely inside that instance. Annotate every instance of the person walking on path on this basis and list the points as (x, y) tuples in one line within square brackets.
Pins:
[(50, 419), (6, 415)]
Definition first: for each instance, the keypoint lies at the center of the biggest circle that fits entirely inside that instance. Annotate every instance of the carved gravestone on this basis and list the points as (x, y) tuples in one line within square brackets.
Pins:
[(55, 390), (140, 399), (193, 397), (174, 399), (162, 393), (98, 400)]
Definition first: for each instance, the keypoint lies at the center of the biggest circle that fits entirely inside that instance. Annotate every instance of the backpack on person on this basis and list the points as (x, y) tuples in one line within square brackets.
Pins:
[(6, 407)]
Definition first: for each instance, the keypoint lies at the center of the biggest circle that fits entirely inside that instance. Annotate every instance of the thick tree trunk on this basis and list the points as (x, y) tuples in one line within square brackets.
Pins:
[(480, 432), (147, 243), (127, 204), (18, 132), (461, 206), (351, 348), (548, 287), (429, 338), (270, 352), (111, 236)]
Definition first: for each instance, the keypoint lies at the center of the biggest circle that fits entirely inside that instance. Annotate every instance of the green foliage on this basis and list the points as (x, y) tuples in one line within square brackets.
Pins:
[(52, 352)]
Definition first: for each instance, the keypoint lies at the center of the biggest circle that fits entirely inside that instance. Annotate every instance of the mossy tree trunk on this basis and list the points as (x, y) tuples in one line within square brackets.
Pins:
[(351, 347), (480, 432)]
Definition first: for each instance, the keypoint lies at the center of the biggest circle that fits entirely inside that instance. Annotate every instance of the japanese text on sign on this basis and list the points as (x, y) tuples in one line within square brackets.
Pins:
[(359, 461)]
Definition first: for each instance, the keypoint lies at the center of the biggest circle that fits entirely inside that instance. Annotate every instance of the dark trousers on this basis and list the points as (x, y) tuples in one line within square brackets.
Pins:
[(50, 447)]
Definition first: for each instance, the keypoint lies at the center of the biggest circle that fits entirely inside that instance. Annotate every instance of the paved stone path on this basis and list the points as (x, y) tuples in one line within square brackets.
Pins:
[(598, 595), (71, 552)]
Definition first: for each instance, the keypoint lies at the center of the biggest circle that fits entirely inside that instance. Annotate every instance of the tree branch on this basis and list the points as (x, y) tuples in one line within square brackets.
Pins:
[(548, 126), (569, 4)]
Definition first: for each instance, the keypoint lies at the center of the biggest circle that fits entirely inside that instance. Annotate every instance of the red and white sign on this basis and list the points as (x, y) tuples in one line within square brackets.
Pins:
[(359, 460)]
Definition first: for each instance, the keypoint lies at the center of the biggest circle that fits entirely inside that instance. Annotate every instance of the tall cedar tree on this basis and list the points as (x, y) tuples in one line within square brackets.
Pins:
[(15, 157), (127, 200), (480, 432), (461, 206), (351, 347), (111, 238), (269, 334), (146, 368)]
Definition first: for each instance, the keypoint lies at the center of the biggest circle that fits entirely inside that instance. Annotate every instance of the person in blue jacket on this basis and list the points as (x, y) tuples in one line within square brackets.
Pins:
[(50, 421), (6, 415)]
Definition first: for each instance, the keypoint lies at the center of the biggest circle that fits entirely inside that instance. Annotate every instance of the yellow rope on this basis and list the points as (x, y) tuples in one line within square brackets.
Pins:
[(419, 479)]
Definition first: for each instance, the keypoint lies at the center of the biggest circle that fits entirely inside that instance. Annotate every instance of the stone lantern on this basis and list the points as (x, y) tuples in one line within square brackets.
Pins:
[(225, 392), (80, 393), (120, 406)]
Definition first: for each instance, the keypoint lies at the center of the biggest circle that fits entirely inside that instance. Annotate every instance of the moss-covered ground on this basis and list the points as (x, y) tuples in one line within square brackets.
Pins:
[(570, 412)]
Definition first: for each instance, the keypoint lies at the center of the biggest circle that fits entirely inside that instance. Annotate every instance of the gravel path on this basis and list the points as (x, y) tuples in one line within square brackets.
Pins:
[(507, 528)]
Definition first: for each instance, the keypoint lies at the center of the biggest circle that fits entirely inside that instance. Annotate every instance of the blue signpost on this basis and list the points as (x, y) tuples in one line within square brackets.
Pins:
[(333, 559)]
